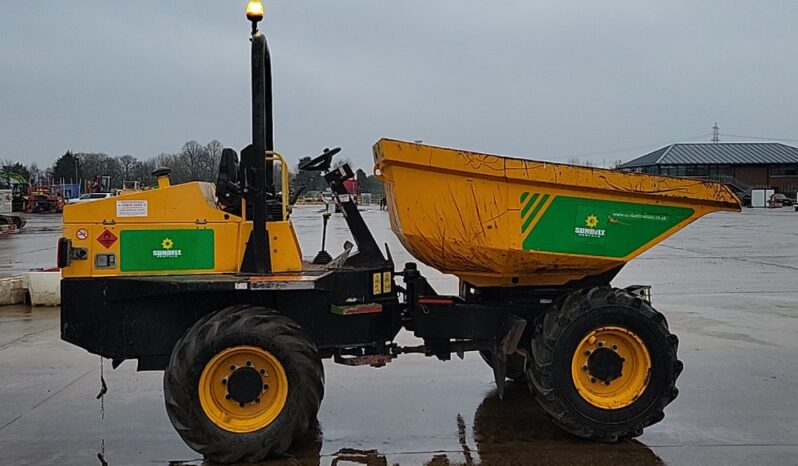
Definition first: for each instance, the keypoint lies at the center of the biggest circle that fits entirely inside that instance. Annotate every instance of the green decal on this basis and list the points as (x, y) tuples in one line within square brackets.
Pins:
[(154, 250), (597, 227), (533, 206)]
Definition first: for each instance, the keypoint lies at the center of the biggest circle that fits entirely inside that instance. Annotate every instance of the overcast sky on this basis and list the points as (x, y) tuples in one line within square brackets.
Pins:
[(539, 79)]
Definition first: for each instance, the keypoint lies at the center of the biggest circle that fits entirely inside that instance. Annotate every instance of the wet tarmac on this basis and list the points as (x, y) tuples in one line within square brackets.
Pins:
[(727, 285), (32, 247)]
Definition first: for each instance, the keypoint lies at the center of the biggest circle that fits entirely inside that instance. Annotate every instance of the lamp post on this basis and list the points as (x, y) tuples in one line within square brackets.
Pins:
[(77, 179)]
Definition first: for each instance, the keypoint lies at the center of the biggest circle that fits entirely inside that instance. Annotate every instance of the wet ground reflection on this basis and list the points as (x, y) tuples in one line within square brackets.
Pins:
[(513, 431)]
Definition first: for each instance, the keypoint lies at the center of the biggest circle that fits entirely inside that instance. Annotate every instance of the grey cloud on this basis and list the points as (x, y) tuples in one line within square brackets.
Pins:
[(528, 78)]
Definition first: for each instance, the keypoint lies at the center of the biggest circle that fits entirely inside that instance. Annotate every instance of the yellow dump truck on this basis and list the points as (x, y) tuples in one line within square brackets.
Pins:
[(207, 283)]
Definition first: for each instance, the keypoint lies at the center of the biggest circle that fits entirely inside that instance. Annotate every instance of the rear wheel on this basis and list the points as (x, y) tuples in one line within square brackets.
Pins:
[(604, 364), (242, 384)]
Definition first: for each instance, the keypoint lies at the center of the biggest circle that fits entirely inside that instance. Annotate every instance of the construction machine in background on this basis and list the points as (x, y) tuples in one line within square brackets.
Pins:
[(8, 221), (13, 198), (207, 283), (128, 187), (100, 184), (20, 190), (45, 199)]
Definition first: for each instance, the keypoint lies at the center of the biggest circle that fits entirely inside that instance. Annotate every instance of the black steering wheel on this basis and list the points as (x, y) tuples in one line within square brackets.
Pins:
[(321, 163)]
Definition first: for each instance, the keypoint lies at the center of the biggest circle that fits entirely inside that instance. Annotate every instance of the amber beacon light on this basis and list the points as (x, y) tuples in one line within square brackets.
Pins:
[(254, 13)]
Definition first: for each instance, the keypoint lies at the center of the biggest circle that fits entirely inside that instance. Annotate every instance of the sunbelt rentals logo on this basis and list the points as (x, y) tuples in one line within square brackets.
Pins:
[(591, 228), (167, 250)]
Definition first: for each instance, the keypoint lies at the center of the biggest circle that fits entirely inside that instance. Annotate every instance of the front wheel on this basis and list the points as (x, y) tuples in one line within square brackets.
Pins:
[(604, 364), (242, 384)]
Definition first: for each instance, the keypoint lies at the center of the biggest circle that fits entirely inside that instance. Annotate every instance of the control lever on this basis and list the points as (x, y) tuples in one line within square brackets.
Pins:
[(323, 257)]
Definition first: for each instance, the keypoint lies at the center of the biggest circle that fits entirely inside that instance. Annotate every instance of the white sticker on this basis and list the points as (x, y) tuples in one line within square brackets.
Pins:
[(241, 285), (131, 208), (343, 197), (82, 234)]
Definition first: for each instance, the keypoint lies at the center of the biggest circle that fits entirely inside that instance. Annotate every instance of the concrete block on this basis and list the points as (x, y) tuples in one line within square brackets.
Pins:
[(44, 288), (12, 291)]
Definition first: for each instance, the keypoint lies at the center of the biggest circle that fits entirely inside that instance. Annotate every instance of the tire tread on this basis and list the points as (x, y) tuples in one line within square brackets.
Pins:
[(539, 372), (230, 321)]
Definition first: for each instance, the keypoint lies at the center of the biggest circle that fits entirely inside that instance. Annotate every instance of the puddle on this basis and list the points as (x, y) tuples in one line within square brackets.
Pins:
[(513, 431)]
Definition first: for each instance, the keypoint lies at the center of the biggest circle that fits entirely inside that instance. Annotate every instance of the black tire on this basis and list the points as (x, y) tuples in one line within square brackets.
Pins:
[(515, 365), (554, 342), (233, 326)]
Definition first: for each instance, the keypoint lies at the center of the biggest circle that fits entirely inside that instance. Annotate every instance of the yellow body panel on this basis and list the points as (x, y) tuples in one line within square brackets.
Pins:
[(182, 203), (461, 212), (188, 208), (285, 253)]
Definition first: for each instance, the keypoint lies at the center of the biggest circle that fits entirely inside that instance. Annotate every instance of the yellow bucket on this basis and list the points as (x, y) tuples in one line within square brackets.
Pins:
[(501, 221)]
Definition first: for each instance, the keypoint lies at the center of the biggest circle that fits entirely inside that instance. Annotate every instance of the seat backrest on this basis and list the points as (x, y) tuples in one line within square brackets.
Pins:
[(228, 192)]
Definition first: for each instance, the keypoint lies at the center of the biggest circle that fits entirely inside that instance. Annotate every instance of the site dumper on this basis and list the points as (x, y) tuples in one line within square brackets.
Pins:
[(12, 188), (207, 283)]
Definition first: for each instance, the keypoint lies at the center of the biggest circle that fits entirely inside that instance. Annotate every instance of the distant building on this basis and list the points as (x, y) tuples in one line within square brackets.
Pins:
[(742, 165)]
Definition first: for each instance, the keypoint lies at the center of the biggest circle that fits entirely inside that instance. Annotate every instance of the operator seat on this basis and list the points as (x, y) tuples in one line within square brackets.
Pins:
[(228, 191)]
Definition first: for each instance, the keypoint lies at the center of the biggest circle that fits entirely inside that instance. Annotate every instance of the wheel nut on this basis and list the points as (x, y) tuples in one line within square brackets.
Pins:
[(257, 400), (606, 383), (263, 372), (592, 380), (249, 363), (265, 386), (587, 353), (232, 368), (227, 397), (584, 368), (240, 405), (600, 344), (615, 347), (224, 381)]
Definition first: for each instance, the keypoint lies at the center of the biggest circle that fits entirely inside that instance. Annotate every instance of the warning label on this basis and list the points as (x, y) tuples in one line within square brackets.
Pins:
[(131, 208), (107, 239)]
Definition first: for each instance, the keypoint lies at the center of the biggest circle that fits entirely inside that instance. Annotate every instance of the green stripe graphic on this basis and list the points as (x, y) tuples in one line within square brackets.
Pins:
[(535, 212), (529, 205)]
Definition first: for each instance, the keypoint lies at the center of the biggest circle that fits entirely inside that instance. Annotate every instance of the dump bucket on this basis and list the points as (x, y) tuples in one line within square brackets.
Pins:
[(501, 221)]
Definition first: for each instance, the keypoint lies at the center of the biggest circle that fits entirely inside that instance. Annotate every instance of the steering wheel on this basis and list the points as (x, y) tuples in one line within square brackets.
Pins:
[(321, 163)]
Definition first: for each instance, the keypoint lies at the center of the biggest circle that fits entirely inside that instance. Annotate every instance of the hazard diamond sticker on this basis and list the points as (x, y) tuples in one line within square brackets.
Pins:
[(107, 239)]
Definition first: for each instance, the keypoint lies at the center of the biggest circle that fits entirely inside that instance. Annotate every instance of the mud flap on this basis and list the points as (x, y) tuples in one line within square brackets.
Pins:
[(506, 343), (499, 372)]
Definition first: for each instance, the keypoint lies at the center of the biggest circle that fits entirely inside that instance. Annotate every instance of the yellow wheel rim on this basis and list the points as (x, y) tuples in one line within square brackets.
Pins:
[(243, 389), (610, 367)]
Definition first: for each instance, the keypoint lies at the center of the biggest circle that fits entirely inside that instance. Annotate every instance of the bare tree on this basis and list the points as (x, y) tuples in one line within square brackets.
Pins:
[(142, 171), (35, 173), (180, 171), (126, 165), (214, 152), (192, 155)]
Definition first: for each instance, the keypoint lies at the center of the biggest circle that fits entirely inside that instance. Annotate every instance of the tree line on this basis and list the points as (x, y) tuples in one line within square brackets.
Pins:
[(193, 162)]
